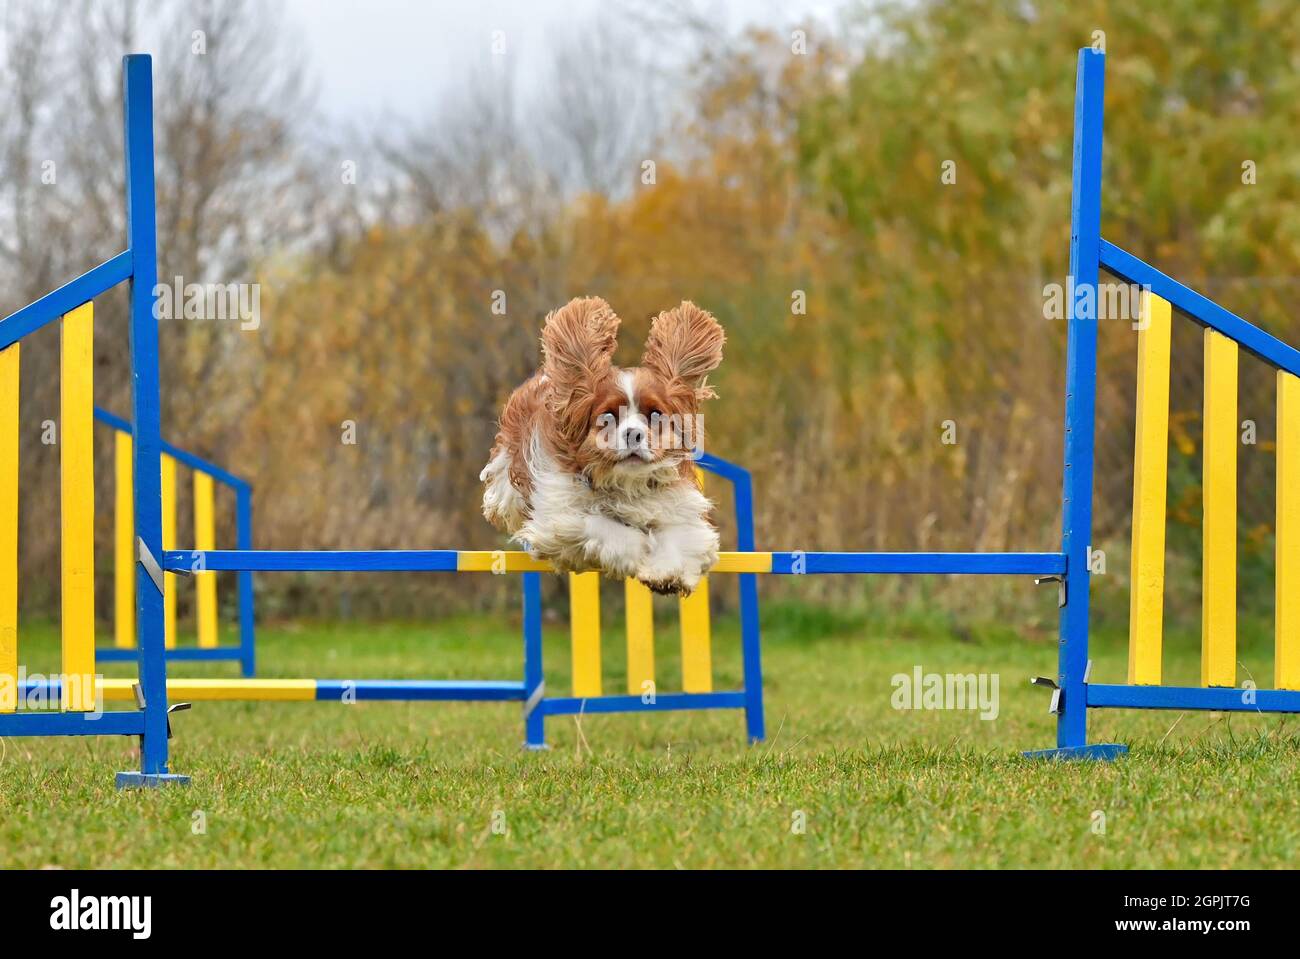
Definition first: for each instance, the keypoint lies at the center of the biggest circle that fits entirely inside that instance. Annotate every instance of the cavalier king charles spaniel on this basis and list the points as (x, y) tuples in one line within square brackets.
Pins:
[(592, 467)]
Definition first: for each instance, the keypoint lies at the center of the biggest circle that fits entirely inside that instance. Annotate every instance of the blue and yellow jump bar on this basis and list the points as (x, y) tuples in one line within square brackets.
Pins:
[(305, 690), (791, 563)]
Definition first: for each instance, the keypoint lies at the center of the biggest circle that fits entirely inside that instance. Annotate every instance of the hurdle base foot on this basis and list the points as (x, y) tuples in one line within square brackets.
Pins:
[(536, 747), (1094, 752), (137, 780)]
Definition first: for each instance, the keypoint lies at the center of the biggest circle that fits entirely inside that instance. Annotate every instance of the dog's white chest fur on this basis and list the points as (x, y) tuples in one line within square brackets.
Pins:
[(651, 527)]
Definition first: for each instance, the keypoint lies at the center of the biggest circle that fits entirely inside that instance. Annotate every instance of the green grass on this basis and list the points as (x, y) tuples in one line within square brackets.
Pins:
[(418, 785)]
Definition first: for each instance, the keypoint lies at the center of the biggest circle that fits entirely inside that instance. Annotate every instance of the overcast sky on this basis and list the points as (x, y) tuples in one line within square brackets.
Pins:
[(371, 57)]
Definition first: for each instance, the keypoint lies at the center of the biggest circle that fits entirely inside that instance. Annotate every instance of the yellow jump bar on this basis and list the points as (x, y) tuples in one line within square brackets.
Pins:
[(516, 561), (234, 690)]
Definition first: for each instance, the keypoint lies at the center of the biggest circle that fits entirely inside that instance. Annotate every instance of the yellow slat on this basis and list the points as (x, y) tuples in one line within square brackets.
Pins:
[(205, 537), (9, 370), (169, 542), (584, 615), (1150, 482), (123, 544), (640, 638), (1219, 562), (1286, 660), (697, 652), (77, 496)]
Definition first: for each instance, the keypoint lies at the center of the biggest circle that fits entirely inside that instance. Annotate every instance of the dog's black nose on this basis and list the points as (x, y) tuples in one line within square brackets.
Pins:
[(635, 436)]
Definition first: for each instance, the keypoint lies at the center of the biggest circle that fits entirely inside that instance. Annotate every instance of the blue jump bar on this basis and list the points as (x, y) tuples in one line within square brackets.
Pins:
[(569, 706), (51, 723), (115, 654), (336, 561), (1033, 564), (1264, 345), (1221, 698), (423, 690)]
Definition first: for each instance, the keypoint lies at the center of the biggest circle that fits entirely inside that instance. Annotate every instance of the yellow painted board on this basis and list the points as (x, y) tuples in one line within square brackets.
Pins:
[(584, 618), (517, 561), (77, 503), (1150, 484), (169, 542), (1219, 541), (1286, 661), (205, 538), (743, 563), (123, 544), (9, 369), (241, 690), (640, 639), (499, 561), (697, 653)]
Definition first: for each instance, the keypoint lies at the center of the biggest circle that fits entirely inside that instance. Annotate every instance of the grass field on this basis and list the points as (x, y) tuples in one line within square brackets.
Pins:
[(421, 785)]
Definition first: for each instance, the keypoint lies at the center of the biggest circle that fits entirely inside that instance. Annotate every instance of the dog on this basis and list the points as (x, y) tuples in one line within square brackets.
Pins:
[(592, 466)]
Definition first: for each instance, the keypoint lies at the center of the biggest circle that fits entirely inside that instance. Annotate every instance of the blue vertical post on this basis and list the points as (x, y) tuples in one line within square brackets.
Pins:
[(244, 541), (1080, 406), (534, 683), (146, 417), (750, 637)]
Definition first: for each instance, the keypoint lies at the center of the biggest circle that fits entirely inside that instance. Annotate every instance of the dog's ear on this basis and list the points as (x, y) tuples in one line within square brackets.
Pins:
[(577, 345), (684, 346)]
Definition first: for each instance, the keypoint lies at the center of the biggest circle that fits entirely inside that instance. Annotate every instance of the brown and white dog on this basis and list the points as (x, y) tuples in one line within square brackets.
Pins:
[(592, 465)]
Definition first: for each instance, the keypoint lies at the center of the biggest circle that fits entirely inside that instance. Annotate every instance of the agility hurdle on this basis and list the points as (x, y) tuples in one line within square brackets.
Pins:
[(1224, 335), (585, 634), (71, 305), (643, 695), (205, 475)]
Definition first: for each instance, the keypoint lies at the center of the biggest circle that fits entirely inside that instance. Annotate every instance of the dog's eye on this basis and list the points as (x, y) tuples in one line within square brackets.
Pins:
[(605, 420)]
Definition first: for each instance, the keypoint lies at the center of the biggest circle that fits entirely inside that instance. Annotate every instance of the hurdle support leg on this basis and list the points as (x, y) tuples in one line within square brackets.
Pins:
[(244, 540), (751, 644), (146, 413), (534, 683), (9, 447), (1080, 404)]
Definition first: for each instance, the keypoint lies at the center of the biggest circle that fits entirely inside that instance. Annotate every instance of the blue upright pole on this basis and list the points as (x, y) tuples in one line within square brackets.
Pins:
[(750, 637), (147, 422), (1080, 405), (534, 683), (244, 540)]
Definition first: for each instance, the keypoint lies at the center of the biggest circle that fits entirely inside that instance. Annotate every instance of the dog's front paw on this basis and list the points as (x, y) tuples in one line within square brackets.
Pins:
[(668, 579), (678, 558), (672, 586)]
